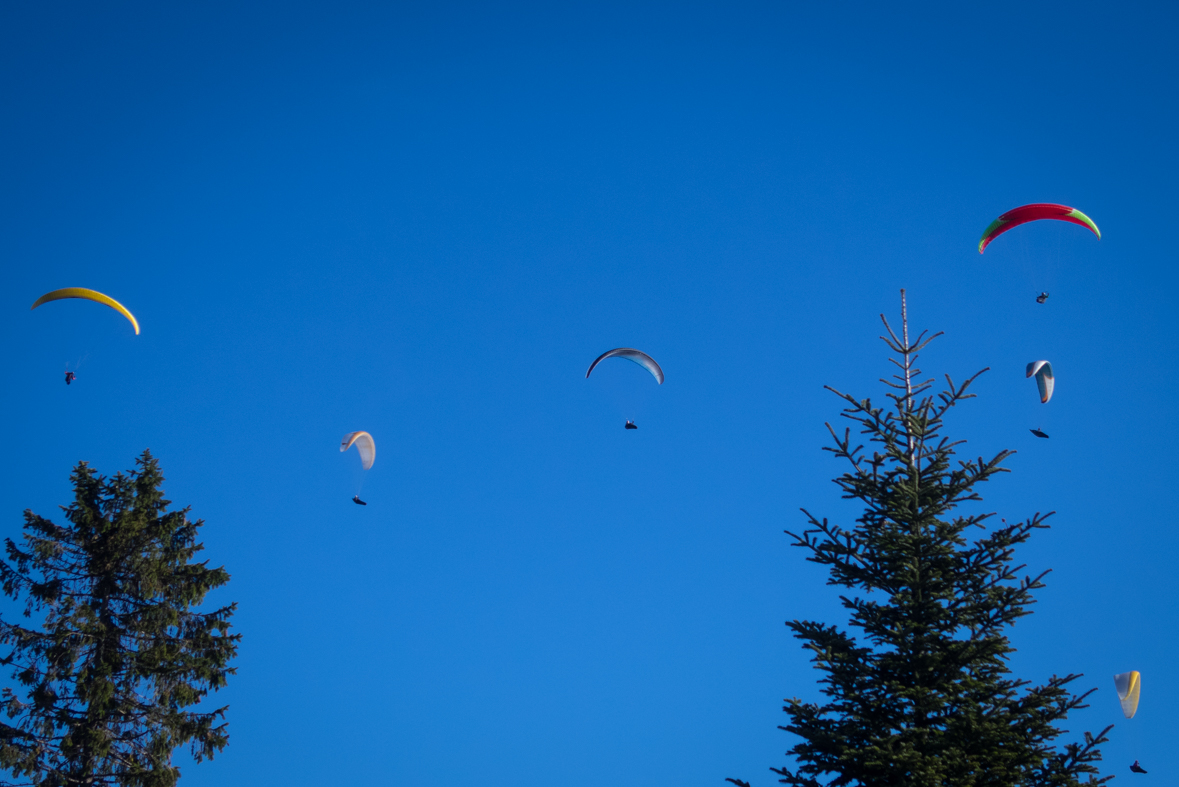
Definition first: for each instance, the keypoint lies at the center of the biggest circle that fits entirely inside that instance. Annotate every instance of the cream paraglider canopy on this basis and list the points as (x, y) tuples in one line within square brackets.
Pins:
[(364, 445)]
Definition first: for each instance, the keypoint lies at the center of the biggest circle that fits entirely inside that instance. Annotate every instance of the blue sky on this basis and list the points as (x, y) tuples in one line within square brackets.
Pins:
[(426, 221)]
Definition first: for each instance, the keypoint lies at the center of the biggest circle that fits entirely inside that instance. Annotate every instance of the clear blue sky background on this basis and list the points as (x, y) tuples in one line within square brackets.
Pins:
[(425, 220)]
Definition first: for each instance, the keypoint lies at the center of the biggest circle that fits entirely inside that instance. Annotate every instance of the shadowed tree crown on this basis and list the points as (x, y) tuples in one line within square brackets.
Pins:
[(119, 653), (921, 695)]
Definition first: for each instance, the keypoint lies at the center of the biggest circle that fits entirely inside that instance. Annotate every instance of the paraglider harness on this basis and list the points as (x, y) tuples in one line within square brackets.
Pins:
[(1041, 297), (631, 425), (70, 377), (356, 499)]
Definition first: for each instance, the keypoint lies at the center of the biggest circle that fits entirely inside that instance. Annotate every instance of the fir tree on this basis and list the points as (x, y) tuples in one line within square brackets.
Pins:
[(120, 653), (923, 697)]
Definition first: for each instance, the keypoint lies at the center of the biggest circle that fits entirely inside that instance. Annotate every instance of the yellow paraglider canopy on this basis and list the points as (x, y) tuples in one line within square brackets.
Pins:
[(89, 295)]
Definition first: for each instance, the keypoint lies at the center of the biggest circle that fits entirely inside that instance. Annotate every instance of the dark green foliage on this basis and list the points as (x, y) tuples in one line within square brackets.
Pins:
[(924, 697), (119, 654)]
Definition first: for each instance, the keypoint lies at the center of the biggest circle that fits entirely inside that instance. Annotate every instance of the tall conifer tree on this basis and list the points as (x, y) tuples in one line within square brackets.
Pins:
[(120, 653), (923, 696)]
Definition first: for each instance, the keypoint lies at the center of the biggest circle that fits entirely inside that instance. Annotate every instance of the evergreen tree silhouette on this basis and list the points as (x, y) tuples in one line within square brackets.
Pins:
[(105, 680), (922, 696)]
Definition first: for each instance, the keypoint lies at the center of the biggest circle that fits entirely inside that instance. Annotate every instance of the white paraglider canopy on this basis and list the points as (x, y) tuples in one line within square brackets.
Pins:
[(1044, 379)]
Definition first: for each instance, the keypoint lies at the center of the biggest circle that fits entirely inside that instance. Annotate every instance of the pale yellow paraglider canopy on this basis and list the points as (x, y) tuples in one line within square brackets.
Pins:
[(1129, 686), (364, 444), (89, 295)]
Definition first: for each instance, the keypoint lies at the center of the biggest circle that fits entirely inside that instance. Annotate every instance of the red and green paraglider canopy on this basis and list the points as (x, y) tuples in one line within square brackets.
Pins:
[(1041, 210)]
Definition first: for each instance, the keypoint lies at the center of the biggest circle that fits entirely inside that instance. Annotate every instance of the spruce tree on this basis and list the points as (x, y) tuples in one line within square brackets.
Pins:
[(120, 652), (923, 695)]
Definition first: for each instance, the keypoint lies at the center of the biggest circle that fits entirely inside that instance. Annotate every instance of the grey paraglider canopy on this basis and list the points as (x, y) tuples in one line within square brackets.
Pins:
[(637, 356)]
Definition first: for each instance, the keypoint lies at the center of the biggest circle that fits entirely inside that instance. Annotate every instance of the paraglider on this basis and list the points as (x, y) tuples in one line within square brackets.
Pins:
[(1038, 433), (1129, 686), (1035, 212), (89, 295), (364, 445), (368, 454), (637, 356), (1042, 297), (1044, 379), (70, 377)]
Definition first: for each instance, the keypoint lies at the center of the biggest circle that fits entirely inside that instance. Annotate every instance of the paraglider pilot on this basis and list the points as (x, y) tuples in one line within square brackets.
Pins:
[(1041, 297), (631, 425), (356, 499), (1137, 768), (70, 377)]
